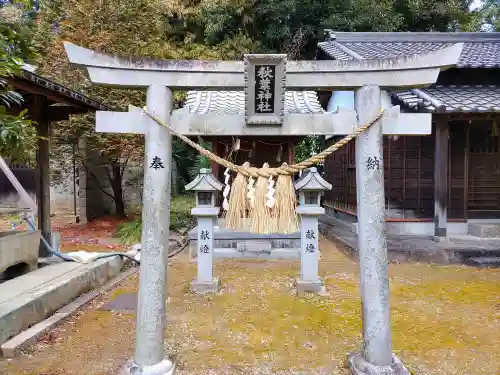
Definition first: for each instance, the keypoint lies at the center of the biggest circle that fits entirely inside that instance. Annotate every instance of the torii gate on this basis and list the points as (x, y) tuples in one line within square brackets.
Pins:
[(264, 115)]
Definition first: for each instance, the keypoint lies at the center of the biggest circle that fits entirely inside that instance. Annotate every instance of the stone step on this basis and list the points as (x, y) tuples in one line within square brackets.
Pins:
[(274, 254), (492, 262), (254, 246), (30, 298), (478, 252), (484, 230)]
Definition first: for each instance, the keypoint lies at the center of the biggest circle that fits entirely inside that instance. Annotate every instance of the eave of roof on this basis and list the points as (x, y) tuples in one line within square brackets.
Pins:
[(451, 99), (66, 94), (481, 50)]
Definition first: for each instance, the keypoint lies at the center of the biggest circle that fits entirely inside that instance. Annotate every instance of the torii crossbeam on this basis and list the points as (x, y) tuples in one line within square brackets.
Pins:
[(409, 71), (265, 78)]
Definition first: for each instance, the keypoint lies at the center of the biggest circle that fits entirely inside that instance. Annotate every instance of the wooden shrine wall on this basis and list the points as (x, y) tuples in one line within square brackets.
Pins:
[(457, 170), (409, 176), (256, 150), (339, 170), (483, 188)]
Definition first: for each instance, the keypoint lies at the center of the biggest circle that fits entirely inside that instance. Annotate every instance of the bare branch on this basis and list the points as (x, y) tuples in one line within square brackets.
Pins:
[(100, 187), (294, 46), (94, 177)]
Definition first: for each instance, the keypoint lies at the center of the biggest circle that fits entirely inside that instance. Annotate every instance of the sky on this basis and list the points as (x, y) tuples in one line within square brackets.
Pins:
[(475, 4)]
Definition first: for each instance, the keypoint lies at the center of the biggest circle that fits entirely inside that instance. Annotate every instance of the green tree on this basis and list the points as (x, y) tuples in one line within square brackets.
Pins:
[(126, 27), (17, 133), (489, 15), (432, 15), (206, 29), (295, 26)]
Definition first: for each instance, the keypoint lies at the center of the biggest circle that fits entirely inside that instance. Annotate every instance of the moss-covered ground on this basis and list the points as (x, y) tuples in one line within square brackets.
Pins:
[(445, 320)]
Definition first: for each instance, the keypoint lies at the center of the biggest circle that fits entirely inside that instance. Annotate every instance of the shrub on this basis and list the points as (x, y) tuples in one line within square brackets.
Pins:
[(180, 217)]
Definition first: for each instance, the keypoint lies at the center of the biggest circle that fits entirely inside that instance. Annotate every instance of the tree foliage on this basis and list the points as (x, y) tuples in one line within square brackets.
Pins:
[(17, 133), (203, 29), (489, 15), (295, 26), (123, 27)]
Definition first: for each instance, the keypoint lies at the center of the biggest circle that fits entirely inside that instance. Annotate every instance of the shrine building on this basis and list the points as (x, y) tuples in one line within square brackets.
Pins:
[(255, 149), (444, 184)]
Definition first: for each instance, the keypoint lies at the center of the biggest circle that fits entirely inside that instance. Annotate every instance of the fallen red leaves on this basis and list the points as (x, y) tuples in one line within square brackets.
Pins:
[(93, 236), (100, 228), (97, 235)]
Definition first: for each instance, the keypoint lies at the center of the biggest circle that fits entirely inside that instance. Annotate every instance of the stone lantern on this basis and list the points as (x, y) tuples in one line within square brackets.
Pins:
[(310, 187), (205, 186)]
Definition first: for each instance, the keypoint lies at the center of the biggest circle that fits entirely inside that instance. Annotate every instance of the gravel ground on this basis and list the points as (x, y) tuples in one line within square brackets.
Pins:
[(445, 320)]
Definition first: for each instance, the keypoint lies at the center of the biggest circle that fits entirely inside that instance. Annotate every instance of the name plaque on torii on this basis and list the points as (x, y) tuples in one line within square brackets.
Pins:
[(265, 80)]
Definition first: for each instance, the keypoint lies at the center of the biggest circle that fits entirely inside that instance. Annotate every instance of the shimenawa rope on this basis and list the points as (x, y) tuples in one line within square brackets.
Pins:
[(284, 169)]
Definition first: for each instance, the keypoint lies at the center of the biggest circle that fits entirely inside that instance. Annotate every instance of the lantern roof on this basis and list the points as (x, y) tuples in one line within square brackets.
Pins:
[(204, 181), (312, 180)]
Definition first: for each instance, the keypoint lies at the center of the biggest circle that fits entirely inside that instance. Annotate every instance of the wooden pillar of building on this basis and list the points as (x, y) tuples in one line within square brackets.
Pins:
[(214, 165), (291, 152), (441, 163), (216, 149), (43, 172)]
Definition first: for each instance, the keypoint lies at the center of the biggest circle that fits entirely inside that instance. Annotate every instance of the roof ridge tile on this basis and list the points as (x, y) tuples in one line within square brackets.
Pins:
[(476, 54), (233, 102)]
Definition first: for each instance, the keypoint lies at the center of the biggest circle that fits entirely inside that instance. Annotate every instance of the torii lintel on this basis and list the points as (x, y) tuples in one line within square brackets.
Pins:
[(405, 71), (342, 122)]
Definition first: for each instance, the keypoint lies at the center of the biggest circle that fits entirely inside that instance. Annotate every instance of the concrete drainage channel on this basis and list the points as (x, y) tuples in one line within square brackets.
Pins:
[(34, 303)]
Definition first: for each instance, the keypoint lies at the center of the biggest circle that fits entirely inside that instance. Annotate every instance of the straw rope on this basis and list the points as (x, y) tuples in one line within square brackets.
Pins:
[(284, 169)]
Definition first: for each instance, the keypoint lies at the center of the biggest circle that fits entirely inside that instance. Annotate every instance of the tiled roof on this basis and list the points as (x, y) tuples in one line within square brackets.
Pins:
[(451, 99), (334, 50), (481, 50), (233, 102)]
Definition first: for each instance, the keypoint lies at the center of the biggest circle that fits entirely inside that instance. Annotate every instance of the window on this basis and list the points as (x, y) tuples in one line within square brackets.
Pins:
[(204, 198), (311, 198)]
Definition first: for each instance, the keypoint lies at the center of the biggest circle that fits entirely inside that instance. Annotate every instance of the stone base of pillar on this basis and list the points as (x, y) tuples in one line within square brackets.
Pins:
[(360, 366), (203, 287), (165, 367), (305, 286)]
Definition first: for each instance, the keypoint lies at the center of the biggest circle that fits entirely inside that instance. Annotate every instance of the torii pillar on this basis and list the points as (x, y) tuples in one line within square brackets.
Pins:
[(265, 117)]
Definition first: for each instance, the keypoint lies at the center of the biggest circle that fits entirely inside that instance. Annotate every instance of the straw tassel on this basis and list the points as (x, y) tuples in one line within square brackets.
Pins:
[(261, 214), (238, 203), (284, 215)]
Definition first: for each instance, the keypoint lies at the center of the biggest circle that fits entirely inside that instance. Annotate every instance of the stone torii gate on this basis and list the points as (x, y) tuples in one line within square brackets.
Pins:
[(264, 115)]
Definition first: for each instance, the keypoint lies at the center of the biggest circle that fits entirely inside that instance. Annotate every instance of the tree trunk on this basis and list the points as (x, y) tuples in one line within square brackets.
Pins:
[(116, 184)]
